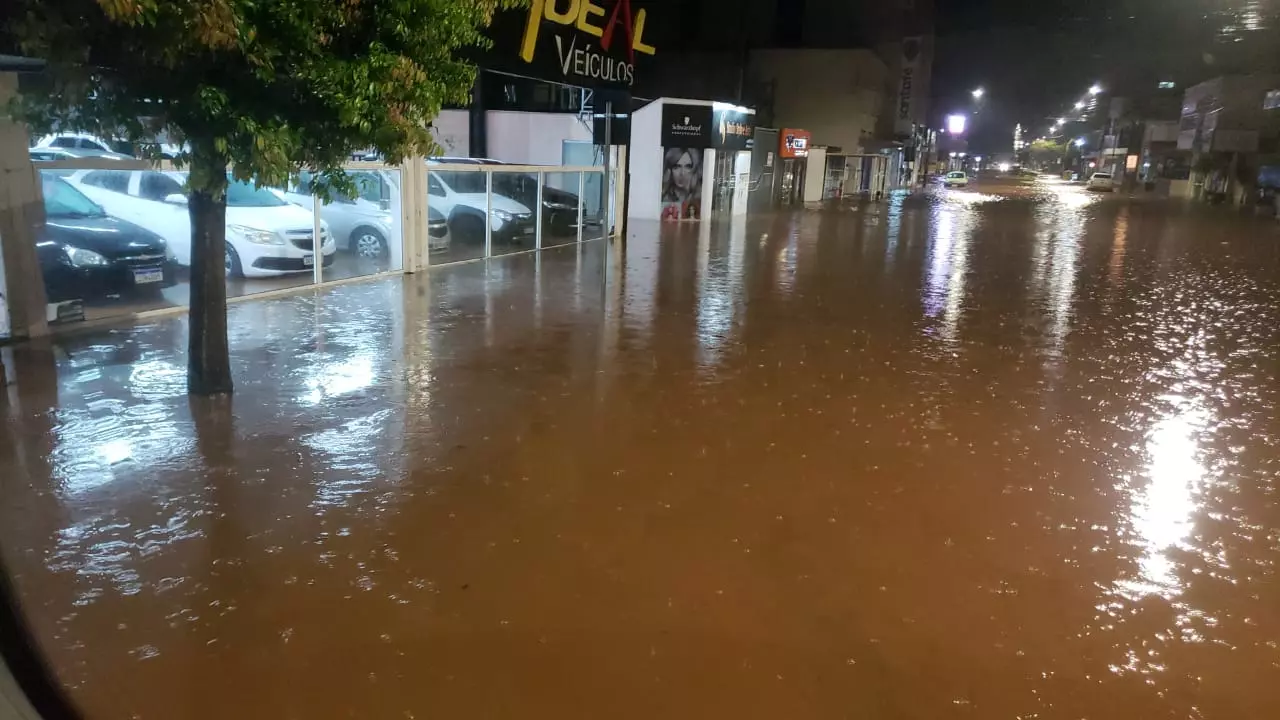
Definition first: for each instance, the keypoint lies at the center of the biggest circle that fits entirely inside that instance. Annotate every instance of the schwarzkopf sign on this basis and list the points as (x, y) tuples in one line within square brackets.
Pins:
[(686, 126), (906, 86)]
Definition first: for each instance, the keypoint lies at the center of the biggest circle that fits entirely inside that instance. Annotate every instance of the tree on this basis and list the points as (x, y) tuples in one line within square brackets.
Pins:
[(1047, 152), (256, 88)]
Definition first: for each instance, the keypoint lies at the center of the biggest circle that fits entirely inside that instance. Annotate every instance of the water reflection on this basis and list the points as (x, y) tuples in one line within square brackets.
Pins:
[(726, 470)]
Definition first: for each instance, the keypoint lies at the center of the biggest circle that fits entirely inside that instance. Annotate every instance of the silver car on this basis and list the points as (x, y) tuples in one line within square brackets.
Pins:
[(361, 224)]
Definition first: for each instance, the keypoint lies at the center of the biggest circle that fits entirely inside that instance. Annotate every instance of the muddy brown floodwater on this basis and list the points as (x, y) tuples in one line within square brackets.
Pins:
[(1007, 452)]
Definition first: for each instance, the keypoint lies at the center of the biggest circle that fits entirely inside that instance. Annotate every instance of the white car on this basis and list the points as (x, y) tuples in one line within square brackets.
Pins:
[(85, 141), (265, 234), (1101, 181), (460, 197), (956, 178)]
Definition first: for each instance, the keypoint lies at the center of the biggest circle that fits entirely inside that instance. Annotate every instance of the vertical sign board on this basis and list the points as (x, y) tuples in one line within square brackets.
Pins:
[(686, 134), (909, 67)]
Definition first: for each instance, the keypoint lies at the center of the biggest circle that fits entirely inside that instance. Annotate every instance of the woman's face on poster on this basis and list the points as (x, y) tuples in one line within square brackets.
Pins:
[(682, 172)]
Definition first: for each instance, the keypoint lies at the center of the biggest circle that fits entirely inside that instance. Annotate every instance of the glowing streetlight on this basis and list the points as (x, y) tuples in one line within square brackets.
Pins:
[(1079, 104), (1095, 89), (1062, 121), (1079, 142), (978, 93), (956, 124)]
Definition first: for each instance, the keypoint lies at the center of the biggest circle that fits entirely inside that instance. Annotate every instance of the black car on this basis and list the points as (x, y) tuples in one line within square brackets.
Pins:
[(85, 253), (559, 207)]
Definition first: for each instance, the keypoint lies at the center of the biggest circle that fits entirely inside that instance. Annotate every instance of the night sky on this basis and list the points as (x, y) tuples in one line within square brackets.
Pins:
[(1035, 58)]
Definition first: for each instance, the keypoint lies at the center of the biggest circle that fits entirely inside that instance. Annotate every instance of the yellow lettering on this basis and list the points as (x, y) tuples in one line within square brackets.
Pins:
[(530, 40), (637, 41), (584, 18), (564, 18)]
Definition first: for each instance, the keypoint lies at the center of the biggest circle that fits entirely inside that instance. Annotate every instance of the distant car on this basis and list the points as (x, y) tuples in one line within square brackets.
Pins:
[(955, 178), (52, 153), (460, 197), (85, 253), (1102, 182), (266, 235), (85, 141)]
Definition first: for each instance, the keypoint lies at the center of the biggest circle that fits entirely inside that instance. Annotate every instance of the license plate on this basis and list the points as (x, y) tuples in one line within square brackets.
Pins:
[(142, 277), (308, 260), (527, 231)]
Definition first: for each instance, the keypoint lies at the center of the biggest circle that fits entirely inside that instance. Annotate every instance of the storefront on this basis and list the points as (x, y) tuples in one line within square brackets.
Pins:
[(793, 153), (690, 158)]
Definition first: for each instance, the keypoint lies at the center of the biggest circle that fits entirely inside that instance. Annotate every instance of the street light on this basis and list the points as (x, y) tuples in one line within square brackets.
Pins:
[(1062, 121), (977, 93), (1079, 104), (1095, 89), (1079, 142)]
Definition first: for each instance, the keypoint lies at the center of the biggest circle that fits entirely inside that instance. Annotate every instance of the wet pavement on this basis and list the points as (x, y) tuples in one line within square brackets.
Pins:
[(1004, 452)]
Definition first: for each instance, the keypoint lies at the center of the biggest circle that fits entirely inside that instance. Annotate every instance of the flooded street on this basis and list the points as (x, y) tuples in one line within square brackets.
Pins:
[(1003, 452)]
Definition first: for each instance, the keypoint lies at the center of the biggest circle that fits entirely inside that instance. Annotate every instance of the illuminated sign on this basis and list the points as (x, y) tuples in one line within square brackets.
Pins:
[(735, 127), (595, 42), (956, 124), (795, 143)]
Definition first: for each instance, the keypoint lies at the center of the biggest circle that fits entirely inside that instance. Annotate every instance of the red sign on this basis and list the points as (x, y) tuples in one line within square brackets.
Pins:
[(794, 143)]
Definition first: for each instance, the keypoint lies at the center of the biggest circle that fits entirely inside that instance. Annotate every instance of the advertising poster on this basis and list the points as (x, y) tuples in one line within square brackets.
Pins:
[(686, 132), (682, 184)]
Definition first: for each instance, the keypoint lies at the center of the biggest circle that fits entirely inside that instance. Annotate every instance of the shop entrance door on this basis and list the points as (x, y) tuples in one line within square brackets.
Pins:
[(792, 181), (724, 181)]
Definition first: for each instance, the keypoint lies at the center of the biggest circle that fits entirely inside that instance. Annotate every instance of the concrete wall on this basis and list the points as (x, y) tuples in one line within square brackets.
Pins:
[(532, 138), (838, 95), (21, 210), (646, 163)]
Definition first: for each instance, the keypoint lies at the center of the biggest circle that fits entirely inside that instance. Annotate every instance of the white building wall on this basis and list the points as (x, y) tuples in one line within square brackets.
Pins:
[(532, 138), (646, 163), (838, 95), (452, 132)]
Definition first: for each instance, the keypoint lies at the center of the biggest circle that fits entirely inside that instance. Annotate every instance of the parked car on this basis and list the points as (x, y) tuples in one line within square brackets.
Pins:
[(50, 154), (1101, 181), (460, 197), (955, 178), (85, 253), (559, 207), (437, 231), (85, 141), (359, 224), (266, 235)]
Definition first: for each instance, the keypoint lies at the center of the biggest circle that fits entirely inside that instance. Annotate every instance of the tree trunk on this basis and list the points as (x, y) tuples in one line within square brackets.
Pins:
[(208, 359)]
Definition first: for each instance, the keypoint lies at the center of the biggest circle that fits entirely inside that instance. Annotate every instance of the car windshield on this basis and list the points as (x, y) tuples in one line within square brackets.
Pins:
[(243, 194), (1102, 176), (62, 200), (955, 175), (464, 182)]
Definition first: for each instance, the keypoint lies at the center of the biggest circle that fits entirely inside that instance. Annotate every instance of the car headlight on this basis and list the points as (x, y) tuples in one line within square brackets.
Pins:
[(256, 236), (80, 257), (502, 215)]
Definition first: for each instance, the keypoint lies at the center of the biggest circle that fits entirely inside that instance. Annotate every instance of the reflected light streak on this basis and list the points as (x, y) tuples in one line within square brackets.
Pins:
[(1162, 518), (340, 378)]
